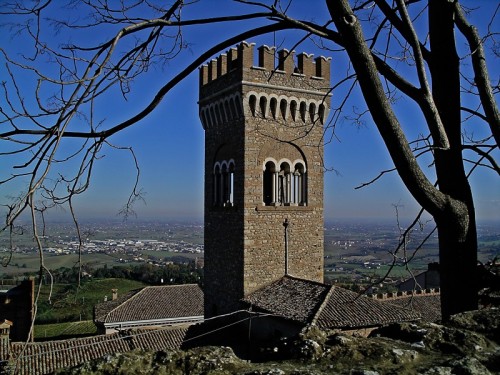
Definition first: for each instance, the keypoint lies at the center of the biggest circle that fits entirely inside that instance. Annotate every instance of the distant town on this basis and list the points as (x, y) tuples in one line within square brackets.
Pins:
[(355, 252), (131, 249)]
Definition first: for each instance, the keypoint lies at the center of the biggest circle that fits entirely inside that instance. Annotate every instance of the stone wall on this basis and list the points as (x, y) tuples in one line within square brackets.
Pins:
[(253, 113), (16, 305)]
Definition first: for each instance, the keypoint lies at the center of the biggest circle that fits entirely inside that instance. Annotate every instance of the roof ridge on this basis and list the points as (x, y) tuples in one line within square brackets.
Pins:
[(323, 304), (301, 279), (169, 285), (124, 302)]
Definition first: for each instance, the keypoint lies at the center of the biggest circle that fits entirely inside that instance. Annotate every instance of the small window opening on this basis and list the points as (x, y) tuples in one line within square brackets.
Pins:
[(312, 112), (303, 111), (253, 103), (293, 110), (274, 107), (269, 184), (283, 107), (263, 106)]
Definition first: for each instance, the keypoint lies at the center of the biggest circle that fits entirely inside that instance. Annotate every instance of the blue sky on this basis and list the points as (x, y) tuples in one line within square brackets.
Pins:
[(169, 143)]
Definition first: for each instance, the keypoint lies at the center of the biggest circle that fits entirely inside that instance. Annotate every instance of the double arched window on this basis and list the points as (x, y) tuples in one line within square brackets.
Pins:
[(284, 183), (223, 183)]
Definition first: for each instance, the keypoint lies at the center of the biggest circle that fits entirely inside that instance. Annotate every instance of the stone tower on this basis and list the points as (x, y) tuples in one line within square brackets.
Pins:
[(263, 170)]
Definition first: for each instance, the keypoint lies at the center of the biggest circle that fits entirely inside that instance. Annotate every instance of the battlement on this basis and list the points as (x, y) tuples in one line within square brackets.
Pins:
[(282, 62), (409, 293)]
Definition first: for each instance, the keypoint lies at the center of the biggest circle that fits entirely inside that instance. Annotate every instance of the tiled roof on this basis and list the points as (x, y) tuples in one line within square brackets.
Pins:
[(345, 309), (427, 305), (104, 308), (290, 298), (46, 357), (152, 303), (328, 306)]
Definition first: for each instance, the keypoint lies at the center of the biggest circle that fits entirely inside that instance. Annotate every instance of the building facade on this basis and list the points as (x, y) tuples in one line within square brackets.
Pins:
[(263, 126)]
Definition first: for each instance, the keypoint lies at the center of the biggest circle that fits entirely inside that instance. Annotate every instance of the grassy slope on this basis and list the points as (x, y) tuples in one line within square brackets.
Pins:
[(69, 303), (62, 330)]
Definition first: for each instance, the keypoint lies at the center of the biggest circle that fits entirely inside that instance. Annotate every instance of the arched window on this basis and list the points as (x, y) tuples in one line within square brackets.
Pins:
[(263, 106), (312, 112), (274, 107), (283, 108), (321, 113), (293, 110), (286, 186), (299, 185), (252, 101), (217, 184), (229, 186), (303, 111), (223, 184), (269, 188)]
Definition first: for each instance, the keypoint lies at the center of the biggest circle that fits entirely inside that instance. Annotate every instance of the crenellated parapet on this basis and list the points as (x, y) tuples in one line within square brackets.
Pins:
[(407, 293), (274, 85), (241, 58)]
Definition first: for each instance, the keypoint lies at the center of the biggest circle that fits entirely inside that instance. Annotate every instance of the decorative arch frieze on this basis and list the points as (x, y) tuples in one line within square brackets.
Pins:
[(288, 108), (221, 111)]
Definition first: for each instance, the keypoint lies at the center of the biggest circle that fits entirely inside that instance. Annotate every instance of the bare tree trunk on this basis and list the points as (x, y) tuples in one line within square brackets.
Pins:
[(451, 204), (456, 224)]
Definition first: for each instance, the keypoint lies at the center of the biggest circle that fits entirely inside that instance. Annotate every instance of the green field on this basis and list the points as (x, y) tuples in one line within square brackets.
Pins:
[(64, 330), (68, 303), (29, 263)]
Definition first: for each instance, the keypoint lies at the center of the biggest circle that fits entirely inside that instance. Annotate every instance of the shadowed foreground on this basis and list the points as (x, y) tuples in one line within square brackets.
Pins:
[(468, 344)]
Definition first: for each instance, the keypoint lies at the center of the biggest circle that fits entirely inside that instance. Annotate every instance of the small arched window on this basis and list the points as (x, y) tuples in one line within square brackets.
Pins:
[(303, 111), (321, 113), (229, 187), (252, 102), (223, 184), (312, 112), (283, 108), (284, 184), (269, 186), (299, 187), (274, 107), (263, 106), (293, 110), (216, 185)]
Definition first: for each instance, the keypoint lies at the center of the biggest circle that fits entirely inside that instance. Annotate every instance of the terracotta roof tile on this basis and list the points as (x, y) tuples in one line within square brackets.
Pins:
[(104, 308), (290, 298), (46, 357), (328, 306), (345, 309), (427, 305), (153, 302)]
